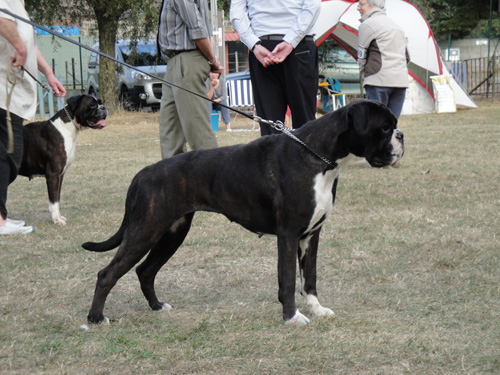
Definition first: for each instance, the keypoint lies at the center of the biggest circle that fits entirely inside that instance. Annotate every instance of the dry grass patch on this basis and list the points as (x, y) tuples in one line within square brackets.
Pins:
[(409, 262)]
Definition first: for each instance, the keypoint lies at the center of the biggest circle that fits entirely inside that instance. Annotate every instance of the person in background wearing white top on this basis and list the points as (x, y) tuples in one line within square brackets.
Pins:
[(382, 56), (18, 49), (284, 58)]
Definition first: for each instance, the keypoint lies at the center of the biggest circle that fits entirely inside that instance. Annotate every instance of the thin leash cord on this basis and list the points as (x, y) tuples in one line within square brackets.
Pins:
[(278, 125)]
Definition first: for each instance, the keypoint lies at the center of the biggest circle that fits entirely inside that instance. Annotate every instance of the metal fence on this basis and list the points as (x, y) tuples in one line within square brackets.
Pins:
[(69, 63), (479, 76)]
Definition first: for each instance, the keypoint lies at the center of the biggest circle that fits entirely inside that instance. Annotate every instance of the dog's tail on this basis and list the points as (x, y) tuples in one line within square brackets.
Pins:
[(109, 244)]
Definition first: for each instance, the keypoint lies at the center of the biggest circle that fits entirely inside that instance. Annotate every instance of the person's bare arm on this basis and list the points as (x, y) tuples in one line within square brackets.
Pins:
[(205, 47), (8, 30), (46, 70)]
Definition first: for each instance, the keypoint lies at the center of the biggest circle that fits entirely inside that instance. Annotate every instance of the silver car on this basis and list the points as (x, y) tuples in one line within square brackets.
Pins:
[(134, 89)]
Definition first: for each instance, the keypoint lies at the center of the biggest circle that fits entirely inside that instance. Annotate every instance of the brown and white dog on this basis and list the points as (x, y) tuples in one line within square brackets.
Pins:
[(273, 185), (49, 146)]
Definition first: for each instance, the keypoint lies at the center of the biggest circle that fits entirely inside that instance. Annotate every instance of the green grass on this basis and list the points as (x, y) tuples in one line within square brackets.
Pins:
[(409, 262)]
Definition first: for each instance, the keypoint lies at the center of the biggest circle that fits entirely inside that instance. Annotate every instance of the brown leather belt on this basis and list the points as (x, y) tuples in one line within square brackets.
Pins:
[(171, 53)]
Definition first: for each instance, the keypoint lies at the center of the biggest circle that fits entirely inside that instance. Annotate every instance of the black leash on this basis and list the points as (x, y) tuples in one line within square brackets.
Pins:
[(278, 125)]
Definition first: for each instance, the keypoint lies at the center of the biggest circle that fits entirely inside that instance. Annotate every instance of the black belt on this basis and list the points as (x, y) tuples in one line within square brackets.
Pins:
[(171, 53), (279, 37)]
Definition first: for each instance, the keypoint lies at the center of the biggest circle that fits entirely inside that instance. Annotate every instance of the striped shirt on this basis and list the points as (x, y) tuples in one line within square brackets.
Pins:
[(181, 22)]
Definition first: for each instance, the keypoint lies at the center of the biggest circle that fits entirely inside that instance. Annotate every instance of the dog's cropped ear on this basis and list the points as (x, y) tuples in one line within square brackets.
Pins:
[(73, 102), (362, 113)]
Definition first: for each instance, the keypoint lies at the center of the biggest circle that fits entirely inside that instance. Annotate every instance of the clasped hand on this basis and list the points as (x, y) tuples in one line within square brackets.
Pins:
[(278, 55)]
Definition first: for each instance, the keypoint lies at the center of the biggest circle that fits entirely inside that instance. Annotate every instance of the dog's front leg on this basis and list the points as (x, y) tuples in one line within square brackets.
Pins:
[(307, 265), (287, 252), (54, 183)]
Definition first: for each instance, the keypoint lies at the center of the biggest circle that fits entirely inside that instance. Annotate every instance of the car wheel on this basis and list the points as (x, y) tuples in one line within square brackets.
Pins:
[(125, 100)]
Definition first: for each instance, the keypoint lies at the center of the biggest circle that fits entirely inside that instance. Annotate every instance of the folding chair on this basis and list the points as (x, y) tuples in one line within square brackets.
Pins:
[(333, 99), (240, 97)]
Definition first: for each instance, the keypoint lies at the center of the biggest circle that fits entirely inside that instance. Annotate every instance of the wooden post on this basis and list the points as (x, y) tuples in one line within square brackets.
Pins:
[(73, 71), (493, 76)]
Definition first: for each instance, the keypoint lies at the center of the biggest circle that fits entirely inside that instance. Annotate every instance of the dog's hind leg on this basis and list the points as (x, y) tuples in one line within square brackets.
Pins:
[(161, 252), (307, 265), (127, 256)]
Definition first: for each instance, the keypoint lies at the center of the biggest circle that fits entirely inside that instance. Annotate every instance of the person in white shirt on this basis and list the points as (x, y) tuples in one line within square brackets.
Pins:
[(284, 58)]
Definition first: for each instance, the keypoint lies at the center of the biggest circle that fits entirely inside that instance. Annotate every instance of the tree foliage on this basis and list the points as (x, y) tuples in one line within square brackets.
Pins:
[(459, 18), (136, 18)]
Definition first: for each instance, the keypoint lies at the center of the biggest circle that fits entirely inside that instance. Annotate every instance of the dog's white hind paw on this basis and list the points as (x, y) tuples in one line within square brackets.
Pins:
[(162, 306), (166, 307), (298, 319)]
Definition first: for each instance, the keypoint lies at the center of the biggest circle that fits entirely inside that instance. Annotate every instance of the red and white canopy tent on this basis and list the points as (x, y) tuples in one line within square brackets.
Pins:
[(339, 20)]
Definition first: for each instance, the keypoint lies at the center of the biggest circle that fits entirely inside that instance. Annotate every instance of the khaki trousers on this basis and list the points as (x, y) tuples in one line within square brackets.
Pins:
[(184, 117)]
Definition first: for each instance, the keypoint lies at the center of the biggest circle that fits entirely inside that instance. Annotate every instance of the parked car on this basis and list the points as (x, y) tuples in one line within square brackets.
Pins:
[(134, 89)]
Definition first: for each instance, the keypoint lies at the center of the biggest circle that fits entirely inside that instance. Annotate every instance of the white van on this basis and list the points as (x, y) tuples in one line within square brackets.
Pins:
[(134, 89)]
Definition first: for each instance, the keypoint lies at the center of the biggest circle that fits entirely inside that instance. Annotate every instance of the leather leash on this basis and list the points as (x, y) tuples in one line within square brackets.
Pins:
[(278, 125), (11, 78)]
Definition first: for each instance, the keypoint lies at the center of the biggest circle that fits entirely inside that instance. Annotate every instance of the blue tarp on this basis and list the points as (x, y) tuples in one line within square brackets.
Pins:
[(64, 30)]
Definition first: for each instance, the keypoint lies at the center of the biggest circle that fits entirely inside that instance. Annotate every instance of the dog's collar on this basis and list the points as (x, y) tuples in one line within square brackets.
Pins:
[(278, 125), (70, 118)]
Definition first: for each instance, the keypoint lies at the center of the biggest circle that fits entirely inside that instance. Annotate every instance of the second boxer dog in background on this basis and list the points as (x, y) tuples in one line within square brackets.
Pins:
[(49, 146)]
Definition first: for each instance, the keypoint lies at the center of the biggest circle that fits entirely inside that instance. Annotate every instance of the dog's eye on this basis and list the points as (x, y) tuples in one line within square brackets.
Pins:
[(387, 129)]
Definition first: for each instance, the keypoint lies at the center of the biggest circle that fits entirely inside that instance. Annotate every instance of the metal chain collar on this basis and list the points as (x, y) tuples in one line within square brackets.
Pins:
[(278, 125), (70, 118)]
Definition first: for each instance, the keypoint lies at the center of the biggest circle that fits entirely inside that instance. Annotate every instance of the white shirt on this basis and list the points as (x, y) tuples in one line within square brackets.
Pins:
[(23, 101), (292, 18)]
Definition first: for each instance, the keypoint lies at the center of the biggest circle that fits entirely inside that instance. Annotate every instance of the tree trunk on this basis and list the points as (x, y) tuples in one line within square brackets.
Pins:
[(108, 29)]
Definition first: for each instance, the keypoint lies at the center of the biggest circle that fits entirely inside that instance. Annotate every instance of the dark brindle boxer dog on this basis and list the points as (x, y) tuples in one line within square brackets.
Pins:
[(272, 185), (49, 146)]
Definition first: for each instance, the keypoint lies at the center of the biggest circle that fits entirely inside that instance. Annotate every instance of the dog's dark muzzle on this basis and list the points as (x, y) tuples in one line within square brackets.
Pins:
[(99, 120)]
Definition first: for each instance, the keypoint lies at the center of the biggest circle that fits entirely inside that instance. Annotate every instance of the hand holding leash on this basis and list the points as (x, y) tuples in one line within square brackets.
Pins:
[(57, 87)]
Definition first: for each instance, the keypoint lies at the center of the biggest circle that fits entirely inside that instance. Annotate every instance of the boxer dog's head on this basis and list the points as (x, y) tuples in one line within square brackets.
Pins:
[(88, 111), (373, 133)]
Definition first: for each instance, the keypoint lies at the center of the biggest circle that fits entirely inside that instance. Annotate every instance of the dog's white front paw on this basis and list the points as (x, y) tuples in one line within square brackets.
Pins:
[(298, 319), (60, 220), (55, 213), (321, 311), (315, 307)]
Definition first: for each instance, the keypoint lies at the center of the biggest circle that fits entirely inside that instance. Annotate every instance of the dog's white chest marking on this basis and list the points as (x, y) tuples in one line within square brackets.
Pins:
[(68, 132), (323, 184), (323, 196)]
